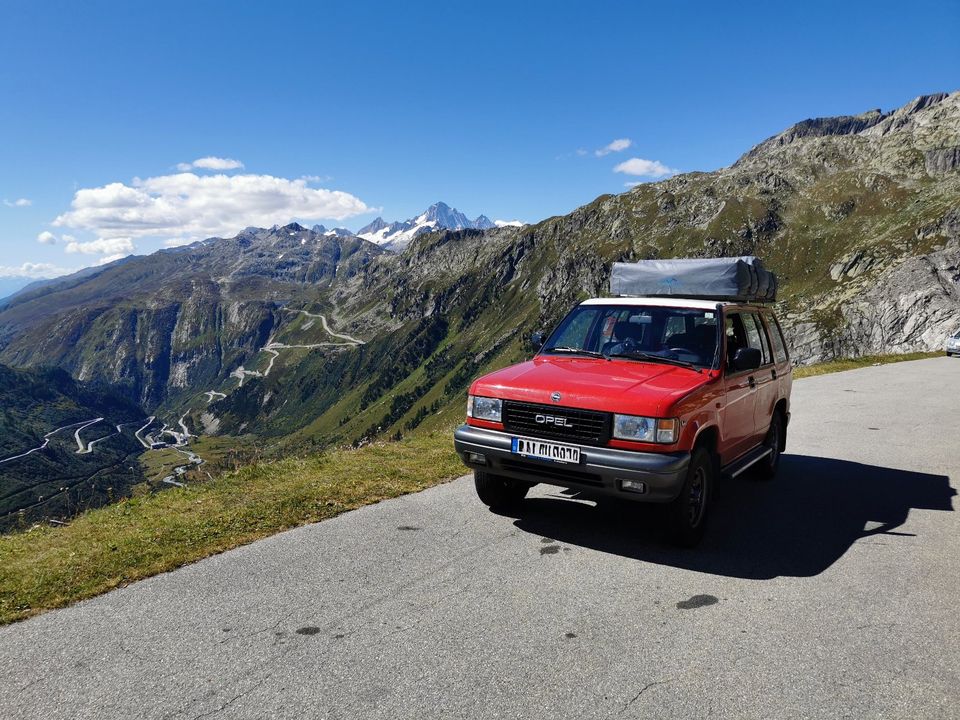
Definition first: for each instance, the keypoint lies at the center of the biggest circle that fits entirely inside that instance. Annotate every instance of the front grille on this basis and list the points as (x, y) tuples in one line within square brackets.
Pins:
[(588, 427)]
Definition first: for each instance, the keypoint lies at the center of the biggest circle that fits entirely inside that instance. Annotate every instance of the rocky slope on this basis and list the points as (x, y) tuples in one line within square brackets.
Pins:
[(178, 320), (315, 337)]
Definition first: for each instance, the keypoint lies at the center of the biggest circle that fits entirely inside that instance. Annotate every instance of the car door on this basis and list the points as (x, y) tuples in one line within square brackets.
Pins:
[(765, 376), (738, 421), (782, 368)]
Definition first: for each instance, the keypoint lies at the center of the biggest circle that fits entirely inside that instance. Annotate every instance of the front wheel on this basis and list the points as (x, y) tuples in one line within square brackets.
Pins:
[(499, 493), (687, 514)]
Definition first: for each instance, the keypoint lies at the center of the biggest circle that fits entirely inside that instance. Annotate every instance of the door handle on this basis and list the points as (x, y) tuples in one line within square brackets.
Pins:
[(753, 381), (773, 373)]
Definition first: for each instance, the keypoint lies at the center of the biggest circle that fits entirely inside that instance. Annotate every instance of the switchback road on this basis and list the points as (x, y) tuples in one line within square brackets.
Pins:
[(829, 593)]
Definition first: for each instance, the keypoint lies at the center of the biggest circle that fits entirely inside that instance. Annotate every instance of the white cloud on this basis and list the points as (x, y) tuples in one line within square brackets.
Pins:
[(186, 206), (613, 146), (211, 163), (509, 223), (34, 271), (122, 246), (644, 168), (19, 202), (47, 238)]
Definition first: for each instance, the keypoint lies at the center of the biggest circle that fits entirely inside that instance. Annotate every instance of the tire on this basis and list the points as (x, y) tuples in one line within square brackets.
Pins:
[(766, 469), (687, 514), (499, 493)]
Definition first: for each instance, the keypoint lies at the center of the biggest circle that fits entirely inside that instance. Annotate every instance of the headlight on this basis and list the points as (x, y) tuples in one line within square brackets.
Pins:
[(645, 429), (484, 408)]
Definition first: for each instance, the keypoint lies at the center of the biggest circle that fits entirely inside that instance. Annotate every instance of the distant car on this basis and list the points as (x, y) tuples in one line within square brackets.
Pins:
[(953, 344)]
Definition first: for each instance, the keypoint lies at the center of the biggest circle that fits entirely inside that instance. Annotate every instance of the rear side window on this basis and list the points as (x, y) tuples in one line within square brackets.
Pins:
[(776, 338), (736, 335), (756, 337)]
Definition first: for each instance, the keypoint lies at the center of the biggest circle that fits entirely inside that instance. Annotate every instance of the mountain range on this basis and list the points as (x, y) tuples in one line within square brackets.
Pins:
[(439, 216), (311, 337)]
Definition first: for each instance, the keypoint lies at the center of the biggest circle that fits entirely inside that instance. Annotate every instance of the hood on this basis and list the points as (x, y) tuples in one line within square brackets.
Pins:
[(623, 386)]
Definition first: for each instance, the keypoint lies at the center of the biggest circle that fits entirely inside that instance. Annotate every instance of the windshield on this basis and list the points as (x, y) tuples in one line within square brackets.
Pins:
[(687, 335)]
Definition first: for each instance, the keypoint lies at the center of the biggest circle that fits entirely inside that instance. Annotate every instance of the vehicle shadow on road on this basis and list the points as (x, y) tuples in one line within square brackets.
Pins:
[(797, 525)]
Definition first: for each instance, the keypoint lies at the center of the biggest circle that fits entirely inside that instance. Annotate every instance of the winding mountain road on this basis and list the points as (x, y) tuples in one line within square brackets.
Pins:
[(828, 593), (273, 348), (81, 448), (46, 440), (327, 328)]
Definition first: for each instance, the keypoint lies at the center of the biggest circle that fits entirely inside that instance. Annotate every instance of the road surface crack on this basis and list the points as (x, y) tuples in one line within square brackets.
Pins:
[(232, 700), (642, 691)]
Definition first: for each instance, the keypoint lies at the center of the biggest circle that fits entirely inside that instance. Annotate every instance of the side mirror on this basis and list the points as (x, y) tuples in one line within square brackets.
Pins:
[(746, 359), (536, 340)]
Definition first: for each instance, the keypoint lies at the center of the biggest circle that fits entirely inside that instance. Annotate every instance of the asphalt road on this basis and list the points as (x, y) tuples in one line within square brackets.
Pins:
[(831, 593)]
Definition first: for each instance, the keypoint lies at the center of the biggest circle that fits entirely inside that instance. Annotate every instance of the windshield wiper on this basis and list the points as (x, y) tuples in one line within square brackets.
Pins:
[(575, 351), (649, 357)]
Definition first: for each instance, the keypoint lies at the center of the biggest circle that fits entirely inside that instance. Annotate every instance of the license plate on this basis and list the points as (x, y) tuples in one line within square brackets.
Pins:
[(542, 450)]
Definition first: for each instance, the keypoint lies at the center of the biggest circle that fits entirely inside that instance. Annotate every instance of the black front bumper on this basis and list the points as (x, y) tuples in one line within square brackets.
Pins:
[(600, 470)]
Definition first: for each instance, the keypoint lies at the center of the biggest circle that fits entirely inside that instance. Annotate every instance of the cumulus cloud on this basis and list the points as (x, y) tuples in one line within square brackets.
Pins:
[(47, 238), (185, 206), (211, 163), (121, 246), (34, 271), (509, 223), (644, 168), (614, 146), (19, 202)]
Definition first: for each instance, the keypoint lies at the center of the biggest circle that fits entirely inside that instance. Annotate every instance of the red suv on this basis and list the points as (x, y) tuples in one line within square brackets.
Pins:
[(643, 398)]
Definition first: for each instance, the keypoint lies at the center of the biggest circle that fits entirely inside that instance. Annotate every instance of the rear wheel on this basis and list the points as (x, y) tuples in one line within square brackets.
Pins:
[(499, 493), (767, 468), (687, 514)]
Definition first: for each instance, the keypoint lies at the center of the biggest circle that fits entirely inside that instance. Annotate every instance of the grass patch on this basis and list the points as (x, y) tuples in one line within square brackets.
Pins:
[(854, 363), (45, 567)]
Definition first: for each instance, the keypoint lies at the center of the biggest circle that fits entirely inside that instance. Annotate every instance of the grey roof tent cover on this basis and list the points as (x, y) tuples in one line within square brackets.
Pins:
[(742, 279)]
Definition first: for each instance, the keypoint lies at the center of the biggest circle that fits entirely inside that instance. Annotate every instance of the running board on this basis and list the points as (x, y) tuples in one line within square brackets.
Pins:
[(738, 467)]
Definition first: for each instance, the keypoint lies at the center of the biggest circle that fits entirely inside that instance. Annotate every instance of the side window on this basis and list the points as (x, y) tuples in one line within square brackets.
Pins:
[(754, 321), (736, 335), (755, 337), (776, 338)]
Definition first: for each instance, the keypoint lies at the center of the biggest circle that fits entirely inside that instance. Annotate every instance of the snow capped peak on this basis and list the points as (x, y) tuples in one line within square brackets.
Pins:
[(373, 227), (439, 216), (508, 223)]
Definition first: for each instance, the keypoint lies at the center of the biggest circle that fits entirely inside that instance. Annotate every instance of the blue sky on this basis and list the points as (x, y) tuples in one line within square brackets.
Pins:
[(359, 109)]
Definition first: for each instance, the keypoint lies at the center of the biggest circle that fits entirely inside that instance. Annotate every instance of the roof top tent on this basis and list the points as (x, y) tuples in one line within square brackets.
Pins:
[(739, 279)]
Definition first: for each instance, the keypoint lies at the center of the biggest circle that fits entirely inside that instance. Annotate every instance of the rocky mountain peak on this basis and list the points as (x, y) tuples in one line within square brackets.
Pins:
[(941, 110), (375, 226)]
